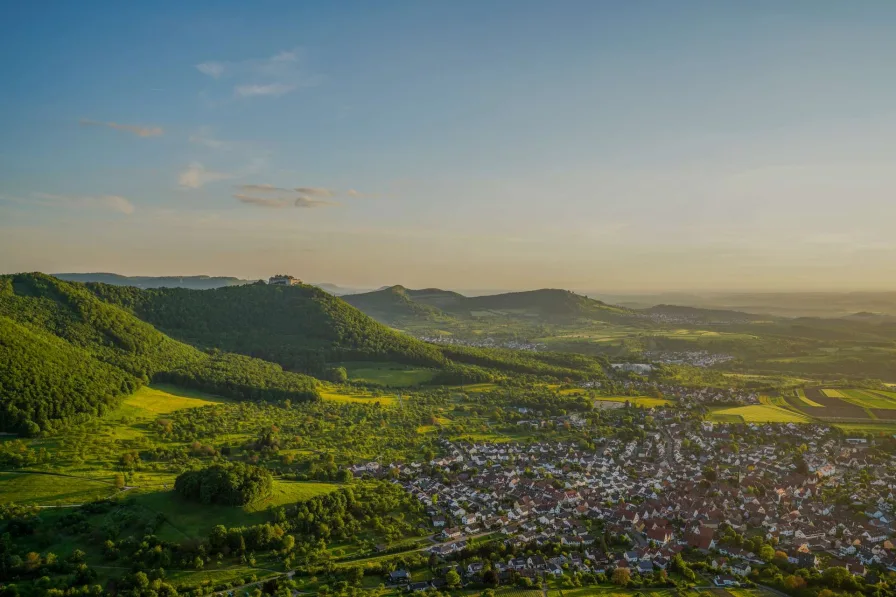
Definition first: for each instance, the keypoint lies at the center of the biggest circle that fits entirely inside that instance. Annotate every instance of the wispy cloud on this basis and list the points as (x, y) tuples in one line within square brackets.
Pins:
[(140, 131), (283, 202), (285, 198), (271, 89), (260, 77), (108, 202), (212, 69), (315, 191), (263, 201), (303, 192), (195, 176), (262, 188), (206, 138)]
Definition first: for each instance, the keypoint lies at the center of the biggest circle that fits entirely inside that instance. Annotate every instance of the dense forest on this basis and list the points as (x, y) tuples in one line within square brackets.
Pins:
[(300, 327), (235, 484), (243, 378), (66, 355), (71, 350), (43, 379)]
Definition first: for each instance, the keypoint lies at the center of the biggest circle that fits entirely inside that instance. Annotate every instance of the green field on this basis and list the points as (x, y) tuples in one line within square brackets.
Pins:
[(641, 401), (161, 399), (50, 490), (874, 428), (869, 399), (831, 393), (194, 520), (756, 413), (607, 592), (338, 395), (387, 374)]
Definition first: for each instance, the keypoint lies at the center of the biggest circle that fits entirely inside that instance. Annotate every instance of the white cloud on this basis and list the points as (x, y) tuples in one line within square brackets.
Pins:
[(140, 131), (212, 69), (260, 77), (272, 89), (196, 176), (109, 202)]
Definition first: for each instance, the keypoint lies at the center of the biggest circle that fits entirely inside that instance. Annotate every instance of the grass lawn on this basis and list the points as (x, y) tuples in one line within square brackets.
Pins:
[(161, 399), (802, 396), (387, 374), (50, 490), (195, 520), (214, 576), (338, 395), (478, 387), (608, 591), (643, 401), (756, 413)]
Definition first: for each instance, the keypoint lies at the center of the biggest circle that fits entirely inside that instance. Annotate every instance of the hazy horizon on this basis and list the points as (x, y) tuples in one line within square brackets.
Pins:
[(606, 148)]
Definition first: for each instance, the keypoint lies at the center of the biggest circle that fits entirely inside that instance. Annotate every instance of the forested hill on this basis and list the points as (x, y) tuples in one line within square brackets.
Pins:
[(397, 305), (548, 303), (305, 329), (300, 327), (66, 355), (194, 282)]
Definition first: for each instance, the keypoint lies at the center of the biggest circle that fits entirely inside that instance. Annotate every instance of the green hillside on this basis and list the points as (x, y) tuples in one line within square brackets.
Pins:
[(194, 282), (305, 329), (549, 304), (67, 355), (300, 327), (396, 306), (44, 380)]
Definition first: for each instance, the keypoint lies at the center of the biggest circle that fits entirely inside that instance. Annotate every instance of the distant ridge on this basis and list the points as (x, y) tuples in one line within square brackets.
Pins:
[(194, 282), (397, 305)]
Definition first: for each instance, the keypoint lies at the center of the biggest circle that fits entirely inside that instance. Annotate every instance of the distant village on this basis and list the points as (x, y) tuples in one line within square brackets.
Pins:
[(684, 485)]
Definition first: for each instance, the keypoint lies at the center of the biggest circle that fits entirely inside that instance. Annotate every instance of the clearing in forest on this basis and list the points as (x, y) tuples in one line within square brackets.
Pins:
[(162, 399)]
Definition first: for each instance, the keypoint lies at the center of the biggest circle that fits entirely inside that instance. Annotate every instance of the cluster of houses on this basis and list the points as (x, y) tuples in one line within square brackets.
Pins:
[(637, 503), (695, 358), (487, 342)]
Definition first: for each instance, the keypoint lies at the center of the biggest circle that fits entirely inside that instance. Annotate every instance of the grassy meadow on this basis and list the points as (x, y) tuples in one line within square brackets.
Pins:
[(387, 374), (51, 490), (755, 413)]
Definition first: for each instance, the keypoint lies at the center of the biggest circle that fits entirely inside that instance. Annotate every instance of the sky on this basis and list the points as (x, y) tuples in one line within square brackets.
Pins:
[(598, 146)]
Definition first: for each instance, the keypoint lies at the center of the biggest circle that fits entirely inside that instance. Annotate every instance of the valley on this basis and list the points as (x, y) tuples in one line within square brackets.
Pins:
[(279, 440)]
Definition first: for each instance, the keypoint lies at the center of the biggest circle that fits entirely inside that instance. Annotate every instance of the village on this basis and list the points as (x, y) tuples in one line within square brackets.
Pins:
[(736, 497)]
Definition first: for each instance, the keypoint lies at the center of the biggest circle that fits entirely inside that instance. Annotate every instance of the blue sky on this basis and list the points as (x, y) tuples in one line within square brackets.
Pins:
[(598, 146)]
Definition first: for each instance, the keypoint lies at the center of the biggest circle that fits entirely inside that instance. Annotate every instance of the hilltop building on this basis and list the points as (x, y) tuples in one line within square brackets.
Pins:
[(283, 280)]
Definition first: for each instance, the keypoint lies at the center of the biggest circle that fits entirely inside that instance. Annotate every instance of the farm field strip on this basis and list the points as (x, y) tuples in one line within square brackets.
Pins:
[(757, 413), (831, 393), (869, 399), (832, 409), (645, 401), (802, 396)]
